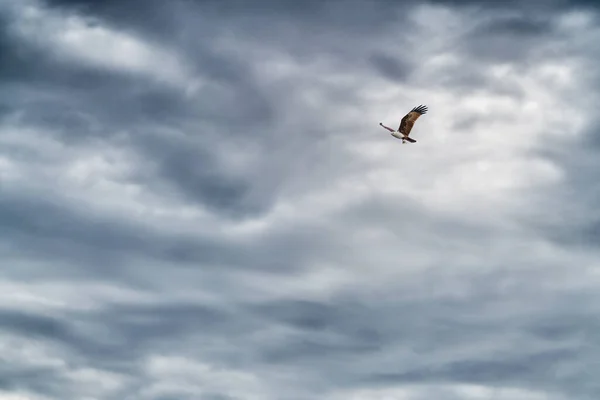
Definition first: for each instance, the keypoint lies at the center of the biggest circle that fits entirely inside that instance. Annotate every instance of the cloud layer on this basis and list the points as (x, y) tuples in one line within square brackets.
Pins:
[(197, 201)]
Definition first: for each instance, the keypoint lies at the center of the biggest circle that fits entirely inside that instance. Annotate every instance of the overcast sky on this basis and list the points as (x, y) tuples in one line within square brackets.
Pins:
[(197, 201)]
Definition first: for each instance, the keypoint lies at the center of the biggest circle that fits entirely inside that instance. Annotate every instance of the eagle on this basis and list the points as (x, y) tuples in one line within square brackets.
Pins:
[(407, 123)]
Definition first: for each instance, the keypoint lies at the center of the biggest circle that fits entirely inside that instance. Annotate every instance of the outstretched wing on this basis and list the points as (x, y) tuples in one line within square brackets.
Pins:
[(409, 119)]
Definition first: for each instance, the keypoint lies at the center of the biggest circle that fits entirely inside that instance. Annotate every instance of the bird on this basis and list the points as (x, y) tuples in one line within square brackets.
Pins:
[(407, 123)]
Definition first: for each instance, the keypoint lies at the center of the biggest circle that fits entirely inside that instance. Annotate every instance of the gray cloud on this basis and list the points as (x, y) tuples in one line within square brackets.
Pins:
[(390, 67), (196, 200)]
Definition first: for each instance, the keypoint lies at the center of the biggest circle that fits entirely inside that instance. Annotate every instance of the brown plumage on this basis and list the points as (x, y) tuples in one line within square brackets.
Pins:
[(409, 119)]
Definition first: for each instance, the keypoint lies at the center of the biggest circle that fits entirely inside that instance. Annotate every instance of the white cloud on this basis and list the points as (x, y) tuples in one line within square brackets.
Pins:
[(72, 37), (176, 375), (94, 177), (5, 395), (462, 392)]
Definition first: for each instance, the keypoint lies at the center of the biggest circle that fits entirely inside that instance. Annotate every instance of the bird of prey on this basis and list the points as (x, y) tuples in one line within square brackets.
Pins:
[(407, 123)]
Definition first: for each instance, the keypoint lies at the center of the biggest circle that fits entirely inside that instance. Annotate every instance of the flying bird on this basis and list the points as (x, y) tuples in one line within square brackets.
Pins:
[(407, 123)]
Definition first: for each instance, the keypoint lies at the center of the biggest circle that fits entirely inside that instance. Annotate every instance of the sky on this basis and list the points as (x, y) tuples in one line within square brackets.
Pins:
[(197, 201)]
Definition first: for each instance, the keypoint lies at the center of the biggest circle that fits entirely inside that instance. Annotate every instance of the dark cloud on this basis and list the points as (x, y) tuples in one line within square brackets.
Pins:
[(78, 110), (66, 232), (35, 325), (574, 219), (390, 67), (520, 26), (487, 372), (495, 5), (300, 259)]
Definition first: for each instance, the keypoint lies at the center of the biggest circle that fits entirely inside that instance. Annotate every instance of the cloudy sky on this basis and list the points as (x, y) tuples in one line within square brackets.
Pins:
[(197, 201)]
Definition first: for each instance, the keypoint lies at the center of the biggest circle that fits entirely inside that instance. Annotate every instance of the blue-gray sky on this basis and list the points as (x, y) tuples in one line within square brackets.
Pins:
[(197, 201)]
